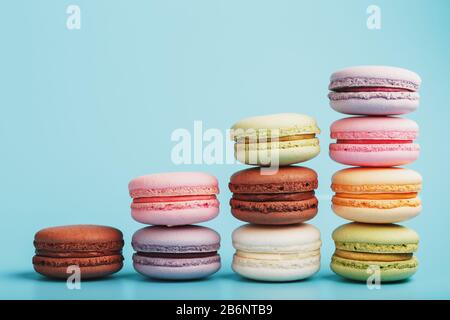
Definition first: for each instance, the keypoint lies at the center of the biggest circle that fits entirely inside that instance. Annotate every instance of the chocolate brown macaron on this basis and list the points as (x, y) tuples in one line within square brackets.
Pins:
[(285, 197), (96, 250)]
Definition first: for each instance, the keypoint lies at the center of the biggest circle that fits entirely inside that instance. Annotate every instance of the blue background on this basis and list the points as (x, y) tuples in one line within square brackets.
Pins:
[(85, 111)]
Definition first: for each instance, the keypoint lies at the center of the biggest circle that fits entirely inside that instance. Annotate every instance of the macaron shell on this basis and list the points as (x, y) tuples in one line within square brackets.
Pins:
[(387, 234), (276, 218), (286, 124), (276, 239), (373, 104), (176, 217), (173, 184), (182, 239), (197, 271), (291, 152), (378, 76), (396, 272), (370, 155), (366, 180), (80, 238), (57, 267), (276, 271), (374, 215), (287, 179), (274, 213)]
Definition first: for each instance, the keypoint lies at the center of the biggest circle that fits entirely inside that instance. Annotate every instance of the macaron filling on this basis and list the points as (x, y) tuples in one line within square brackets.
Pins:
[(176, 255), (175, 259), (376, 188), (276, 255), (174, 198), (76, 254), (175, 202), (377, 196), (288, 260), (70, 247), (370, 256), (274, 138)]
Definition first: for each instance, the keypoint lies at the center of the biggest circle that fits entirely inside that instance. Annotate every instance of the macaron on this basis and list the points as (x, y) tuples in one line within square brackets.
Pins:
[(365, 250), (285, 197), (95, 250), (276, 253), (376, 195), (174, 198), (277, 139), (374, 141), (177, 253), (374, 90)]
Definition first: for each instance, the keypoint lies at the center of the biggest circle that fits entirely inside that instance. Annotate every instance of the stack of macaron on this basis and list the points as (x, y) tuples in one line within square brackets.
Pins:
[(172, 248), (275, 198), (376, 193)]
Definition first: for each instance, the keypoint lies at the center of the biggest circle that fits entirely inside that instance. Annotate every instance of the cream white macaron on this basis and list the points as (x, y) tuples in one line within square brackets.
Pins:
[(276, 253)]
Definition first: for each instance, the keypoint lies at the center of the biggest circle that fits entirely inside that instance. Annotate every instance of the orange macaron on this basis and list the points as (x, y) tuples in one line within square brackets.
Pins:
[(376, 195)]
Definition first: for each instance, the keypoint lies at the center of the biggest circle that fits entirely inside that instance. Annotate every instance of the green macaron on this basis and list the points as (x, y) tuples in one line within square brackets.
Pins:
[(364, 249)]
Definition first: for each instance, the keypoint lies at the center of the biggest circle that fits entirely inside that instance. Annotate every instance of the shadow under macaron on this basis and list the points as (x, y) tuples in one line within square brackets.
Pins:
[(34, 276)]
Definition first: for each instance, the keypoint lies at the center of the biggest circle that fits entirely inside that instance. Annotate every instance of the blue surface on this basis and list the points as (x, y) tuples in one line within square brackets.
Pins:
[(85, 111)]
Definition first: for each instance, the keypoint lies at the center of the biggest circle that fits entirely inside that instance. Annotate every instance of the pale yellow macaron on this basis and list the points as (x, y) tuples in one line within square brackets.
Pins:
[(376, 195), (277, 139)]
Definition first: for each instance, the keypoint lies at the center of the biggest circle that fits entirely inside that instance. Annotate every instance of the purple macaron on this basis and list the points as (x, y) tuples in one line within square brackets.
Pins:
[(374, 90), (176, 253)]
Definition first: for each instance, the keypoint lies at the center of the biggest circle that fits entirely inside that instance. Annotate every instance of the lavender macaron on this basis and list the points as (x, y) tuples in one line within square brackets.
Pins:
[(374, 90), (176, 253)]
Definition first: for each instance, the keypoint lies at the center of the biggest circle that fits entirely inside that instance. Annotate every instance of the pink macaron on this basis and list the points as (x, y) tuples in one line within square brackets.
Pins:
[(174, 198), (374, 141)]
